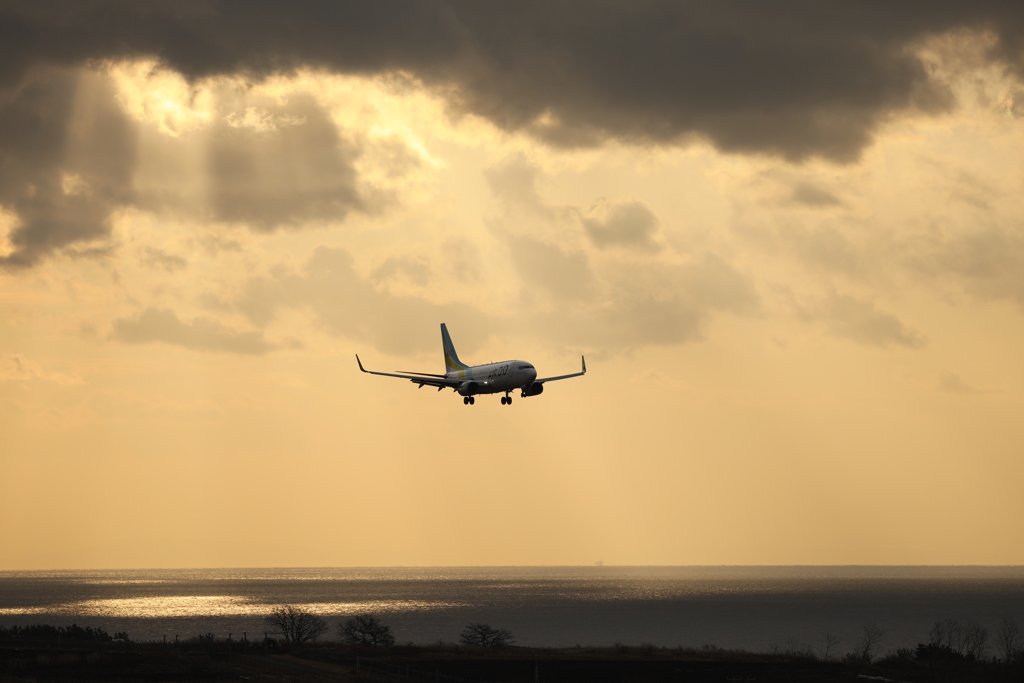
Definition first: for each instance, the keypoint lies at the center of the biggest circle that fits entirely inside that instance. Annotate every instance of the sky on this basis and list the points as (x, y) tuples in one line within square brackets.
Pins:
[(788, 237)]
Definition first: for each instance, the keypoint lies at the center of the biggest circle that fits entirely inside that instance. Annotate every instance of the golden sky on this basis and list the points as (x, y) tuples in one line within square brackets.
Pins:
[(789, 245)]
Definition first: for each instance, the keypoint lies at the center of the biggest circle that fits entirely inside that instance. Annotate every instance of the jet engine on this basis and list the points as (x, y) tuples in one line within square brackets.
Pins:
[(533, 389), (469, 388)]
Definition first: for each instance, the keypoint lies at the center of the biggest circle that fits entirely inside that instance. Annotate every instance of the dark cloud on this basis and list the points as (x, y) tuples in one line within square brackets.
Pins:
[(68, 161), (274, 165), (672, 304), (160, 258), (809, 194), (635, 320), (862, 322), (952, 383), (799, 79), (841, 246), (67, 155), (826, 248), (987, 262), (622, 307), (627, 224), (614, 305), (344, 304), (665, 305), (414, 270), (462, 258), (562, 275), (714, 284), (514, 181), (200, 334)]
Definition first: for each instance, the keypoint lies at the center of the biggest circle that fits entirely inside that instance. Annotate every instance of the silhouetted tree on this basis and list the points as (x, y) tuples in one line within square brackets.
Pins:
[(793, 647), (1009, 639), (366, 629), (296, 625), (870, 637), (965, 638), (831, 640), (483, 635)]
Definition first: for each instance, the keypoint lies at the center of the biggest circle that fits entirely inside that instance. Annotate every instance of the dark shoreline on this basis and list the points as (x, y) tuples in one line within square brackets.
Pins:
[(222, 660)]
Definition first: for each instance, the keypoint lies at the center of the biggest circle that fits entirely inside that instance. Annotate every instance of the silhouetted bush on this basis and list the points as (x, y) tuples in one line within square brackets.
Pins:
[(296, 625), (934, 652), (73, 633), (871, 636), (967, 638), (482, 635)]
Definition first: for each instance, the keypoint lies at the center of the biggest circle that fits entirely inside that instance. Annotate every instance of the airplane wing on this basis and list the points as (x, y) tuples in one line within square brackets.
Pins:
[(422, 379), (575, 374)]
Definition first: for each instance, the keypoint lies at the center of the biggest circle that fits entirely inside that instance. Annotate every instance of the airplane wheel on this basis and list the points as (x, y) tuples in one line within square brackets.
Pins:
[(472, 400), (465, 400), (509, 400), (503, 400)]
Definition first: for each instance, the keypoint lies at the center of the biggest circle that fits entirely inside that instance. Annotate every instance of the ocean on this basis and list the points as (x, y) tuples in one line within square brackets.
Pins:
[(752, 608)]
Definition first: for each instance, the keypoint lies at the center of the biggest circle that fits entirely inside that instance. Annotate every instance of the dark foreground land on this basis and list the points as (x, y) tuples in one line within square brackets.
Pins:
[(28, 662)]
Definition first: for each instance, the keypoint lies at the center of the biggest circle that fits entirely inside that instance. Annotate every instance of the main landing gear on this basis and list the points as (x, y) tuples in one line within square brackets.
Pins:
[(468, 400), (506, 400)]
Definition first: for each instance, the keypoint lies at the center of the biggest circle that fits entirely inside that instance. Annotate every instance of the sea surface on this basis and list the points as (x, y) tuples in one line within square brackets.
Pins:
[(753, 608)]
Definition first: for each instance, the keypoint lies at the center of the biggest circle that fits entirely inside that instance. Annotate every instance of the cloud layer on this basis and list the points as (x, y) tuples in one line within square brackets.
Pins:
[(200, 334), (797, 81)]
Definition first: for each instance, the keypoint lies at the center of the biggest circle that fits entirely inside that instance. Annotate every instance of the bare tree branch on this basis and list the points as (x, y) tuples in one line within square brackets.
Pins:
[(366, 630), (831, 641), (483, 635), (1009, 640), (864, 650), (297, 625)]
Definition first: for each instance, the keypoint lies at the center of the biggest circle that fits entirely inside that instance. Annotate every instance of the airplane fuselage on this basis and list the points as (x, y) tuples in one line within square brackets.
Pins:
[(494, 378)]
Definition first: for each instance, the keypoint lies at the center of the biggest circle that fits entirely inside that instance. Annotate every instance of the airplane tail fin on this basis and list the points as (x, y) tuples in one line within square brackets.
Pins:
[(451, 359)]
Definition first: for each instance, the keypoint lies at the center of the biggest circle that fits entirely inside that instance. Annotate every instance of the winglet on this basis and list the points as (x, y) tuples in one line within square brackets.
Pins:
[(360, 364), (581, 358)]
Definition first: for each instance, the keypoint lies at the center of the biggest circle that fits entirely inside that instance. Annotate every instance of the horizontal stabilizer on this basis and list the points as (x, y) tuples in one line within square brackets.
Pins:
[(439, 381)]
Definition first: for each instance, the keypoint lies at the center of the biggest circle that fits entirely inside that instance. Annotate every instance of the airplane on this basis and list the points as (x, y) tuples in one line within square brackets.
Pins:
[(472, 380)]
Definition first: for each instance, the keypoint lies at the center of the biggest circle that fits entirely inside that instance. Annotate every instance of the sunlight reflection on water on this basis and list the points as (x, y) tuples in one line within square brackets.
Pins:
[(749, 607), (215, 606)]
